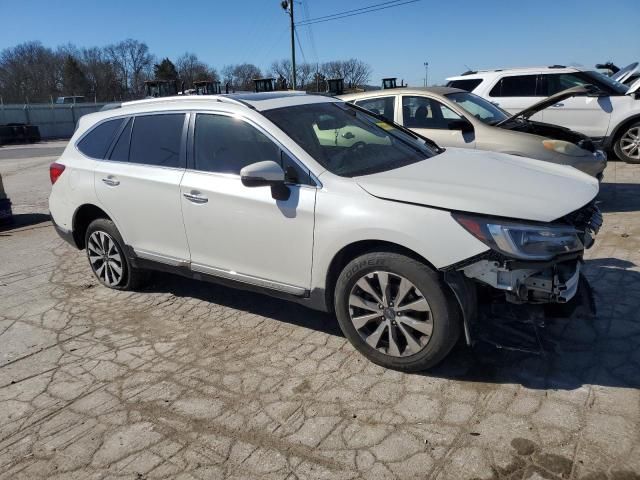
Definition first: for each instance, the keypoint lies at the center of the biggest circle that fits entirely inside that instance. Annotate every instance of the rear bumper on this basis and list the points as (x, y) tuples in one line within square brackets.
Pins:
[(66, 235)]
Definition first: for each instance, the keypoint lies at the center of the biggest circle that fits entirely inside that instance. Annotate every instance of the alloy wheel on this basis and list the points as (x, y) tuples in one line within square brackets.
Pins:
[(105, 258), (630, 143), (390, 314)]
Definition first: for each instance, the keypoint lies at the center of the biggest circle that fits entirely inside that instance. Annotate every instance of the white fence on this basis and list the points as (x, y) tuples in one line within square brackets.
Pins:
[(54, 121)]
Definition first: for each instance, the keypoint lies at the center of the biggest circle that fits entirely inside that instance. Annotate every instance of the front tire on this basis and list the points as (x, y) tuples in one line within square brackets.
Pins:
[(627, 145), (107, 258), (396, 311)]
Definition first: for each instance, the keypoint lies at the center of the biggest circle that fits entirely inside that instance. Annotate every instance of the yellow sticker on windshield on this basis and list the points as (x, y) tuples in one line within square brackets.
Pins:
[(384, 126)]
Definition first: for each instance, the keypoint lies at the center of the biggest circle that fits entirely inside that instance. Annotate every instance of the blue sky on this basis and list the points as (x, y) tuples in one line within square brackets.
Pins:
[(395, 42)]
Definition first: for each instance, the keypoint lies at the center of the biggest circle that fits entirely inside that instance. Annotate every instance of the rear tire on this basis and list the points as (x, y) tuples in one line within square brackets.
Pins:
[(107, 257), (412, 326), (627, 145)]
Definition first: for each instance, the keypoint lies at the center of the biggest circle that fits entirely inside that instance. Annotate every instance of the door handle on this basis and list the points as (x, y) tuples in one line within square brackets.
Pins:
[(195, 197), (111, 182), (559, 105)]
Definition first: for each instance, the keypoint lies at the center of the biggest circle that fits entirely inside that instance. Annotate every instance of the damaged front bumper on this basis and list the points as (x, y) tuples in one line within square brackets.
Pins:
[(551, 282), (557, 281)]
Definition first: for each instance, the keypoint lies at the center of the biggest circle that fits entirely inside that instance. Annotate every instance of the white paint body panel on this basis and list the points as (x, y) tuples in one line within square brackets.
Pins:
[(487, 183), (147, 204), (243, 229)]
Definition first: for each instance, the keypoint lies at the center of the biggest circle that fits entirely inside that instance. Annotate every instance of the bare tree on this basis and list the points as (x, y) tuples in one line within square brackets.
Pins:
[(240, 77), (133, 63), (191, 69), (356, 72), (101, 75), (29, 72)]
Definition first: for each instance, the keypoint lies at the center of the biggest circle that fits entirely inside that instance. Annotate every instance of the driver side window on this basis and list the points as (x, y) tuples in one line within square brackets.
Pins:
[(422, 112)]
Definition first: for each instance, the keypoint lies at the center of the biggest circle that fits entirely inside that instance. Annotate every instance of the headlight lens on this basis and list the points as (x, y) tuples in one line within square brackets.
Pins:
[(528, 242), (566, 148)]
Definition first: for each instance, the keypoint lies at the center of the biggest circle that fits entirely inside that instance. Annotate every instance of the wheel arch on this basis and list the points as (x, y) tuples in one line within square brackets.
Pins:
[(82, 217), (354, 250), (616, 132)]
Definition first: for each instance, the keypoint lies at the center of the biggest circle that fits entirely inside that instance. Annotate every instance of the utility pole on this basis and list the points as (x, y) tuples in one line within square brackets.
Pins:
[(287, 6), (426, 74)]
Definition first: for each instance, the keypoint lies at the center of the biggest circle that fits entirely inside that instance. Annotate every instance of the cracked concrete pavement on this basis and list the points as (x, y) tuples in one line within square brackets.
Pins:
[(191, 380)]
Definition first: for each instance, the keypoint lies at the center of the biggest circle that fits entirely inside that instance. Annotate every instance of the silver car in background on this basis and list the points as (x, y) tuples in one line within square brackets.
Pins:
[(456, 118)]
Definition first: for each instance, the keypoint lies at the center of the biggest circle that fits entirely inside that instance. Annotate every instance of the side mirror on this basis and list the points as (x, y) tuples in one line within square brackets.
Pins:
[(461, 124), (262, 174)]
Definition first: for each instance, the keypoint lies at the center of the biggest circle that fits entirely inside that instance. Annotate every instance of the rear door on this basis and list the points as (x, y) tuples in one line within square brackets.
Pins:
[(139, 185), (430, 118), (588, 115), (384, 106), (514, 93)]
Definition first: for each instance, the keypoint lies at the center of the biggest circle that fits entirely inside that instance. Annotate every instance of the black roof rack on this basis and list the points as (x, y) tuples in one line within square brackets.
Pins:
[(557, 66)]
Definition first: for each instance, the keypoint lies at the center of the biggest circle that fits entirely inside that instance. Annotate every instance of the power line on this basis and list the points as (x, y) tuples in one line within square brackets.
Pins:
[(354, 12), (312, 40), (304, 59)]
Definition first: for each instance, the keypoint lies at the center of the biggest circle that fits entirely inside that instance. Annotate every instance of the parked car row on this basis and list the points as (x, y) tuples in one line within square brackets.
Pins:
[(322, 202), (608, 111)]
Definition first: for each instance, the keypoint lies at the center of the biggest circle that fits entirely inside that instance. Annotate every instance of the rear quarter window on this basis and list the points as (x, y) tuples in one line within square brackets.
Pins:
[(96, 143), (468, 84)]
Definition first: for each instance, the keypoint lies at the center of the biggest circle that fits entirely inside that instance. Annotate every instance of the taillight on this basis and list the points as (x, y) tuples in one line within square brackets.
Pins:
[(55, 170)]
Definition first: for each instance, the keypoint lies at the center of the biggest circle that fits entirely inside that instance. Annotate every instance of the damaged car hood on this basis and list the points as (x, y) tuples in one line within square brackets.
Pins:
[(486, 183), (547, 102)]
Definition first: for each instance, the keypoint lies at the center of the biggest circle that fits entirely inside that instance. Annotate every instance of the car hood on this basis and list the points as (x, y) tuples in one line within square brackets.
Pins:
[(547, 102), (486, 183)]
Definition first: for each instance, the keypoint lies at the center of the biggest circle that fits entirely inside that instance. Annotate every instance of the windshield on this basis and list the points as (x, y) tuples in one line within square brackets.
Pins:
[(617, 87), (347, 141), (480, 108)]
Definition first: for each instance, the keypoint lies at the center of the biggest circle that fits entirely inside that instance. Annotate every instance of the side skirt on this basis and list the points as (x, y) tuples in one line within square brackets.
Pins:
[(311, 299)]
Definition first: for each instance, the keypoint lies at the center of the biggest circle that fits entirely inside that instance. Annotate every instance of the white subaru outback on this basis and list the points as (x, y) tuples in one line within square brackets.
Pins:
[(392, 233), (610, 115)]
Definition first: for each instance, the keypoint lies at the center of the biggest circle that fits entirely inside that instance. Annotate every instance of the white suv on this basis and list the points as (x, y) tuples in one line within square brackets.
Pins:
[(394, 234), (610, 115)]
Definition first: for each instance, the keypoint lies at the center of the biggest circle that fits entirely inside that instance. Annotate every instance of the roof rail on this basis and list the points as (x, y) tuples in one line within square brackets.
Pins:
[(557, 66)]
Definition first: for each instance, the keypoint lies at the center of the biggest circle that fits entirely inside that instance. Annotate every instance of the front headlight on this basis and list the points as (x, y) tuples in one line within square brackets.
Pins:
[(528, 242), (566, 148)]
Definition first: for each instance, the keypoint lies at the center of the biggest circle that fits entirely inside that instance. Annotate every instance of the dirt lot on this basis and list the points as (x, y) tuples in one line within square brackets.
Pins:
[(191, 380)]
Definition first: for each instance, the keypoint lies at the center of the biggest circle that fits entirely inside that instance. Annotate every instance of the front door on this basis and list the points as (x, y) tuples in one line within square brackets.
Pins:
[(587, 115), (431, 119), (240, 232), (139, 186)]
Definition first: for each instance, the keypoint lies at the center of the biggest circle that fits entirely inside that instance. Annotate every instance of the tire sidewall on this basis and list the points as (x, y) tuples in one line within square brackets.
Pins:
[(445, 317), (617, 147), (108, 227)]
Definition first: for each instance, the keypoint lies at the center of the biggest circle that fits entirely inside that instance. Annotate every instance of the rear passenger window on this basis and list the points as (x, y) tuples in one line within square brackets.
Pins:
[(156, 139), (96, 143), (120, 152), (382, 106), (225, 144), (516, 86), (468, 84)]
